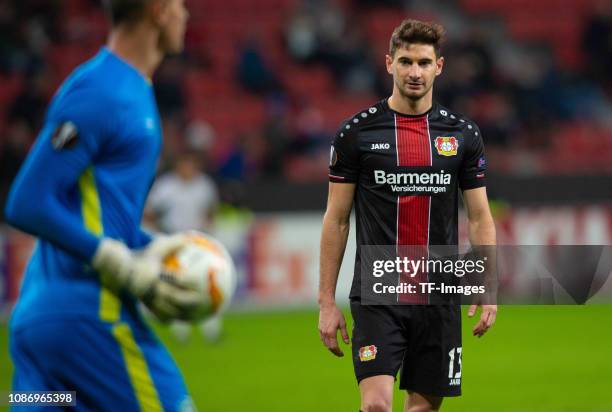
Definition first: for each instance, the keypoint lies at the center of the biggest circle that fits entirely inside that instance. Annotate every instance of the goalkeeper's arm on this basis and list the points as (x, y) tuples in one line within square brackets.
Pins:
[(35, 205)]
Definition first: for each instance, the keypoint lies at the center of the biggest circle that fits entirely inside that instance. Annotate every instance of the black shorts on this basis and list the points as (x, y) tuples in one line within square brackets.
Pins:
[(424, 341)]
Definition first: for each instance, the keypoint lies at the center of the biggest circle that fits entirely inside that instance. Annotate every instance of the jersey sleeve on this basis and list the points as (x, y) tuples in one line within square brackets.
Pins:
[(344, 156), (474, 165), (67, 145)]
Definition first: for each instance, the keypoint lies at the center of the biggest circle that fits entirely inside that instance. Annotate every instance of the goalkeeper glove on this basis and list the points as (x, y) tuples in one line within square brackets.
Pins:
[(142, 274)]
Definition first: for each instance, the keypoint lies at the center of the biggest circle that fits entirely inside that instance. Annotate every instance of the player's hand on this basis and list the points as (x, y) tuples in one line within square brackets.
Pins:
[(487, 318), (330, 320), (168, 300), (135, 271)]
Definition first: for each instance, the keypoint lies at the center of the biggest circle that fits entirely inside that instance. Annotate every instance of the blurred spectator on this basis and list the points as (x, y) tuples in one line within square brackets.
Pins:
[(254, 74), (169, 87), (301, 37), (246, 158), (199, 136), (184, 198), (597, 45), (26, 29), (349, 60), (310, 133), (31, 104), (9, 46), (174, 139), (46, 15), (318, 33), (278, 135)]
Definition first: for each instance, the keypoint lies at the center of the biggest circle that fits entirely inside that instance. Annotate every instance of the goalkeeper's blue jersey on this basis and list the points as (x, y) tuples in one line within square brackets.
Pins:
[(87, 176)]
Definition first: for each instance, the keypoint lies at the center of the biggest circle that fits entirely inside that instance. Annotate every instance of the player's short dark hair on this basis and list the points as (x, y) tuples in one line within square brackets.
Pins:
[(125, 11), (412, 31)]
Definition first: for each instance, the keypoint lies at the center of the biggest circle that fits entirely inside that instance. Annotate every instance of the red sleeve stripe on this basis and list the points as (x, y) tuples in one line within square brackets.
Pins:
[(337, 177)]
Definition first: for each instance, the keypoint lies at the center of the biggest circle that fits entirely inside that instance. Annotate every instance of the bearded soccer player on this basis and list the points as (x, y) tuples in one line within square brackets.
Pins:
[(406, 134), (81, 191)]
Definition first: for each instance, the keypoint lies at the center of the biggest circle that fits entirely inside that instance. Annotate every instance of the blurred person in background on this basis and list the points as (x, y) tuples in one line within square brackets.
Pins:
[(185, 199), (407, 134), (81, 192), (318, 33), (253, 73), (597, 44), (26, 27), (169, 88), (30, 105)]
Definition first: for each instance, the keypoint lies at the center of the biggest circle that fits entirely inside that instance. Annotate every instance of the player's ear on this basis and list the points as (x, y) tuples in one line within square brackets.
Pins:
[(389, 63), (439, 65)]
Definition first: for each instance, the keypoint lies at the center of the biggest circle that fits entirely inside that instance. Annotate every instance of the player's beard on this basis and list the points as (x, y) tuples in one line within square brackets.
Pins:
[(171, 43), (412, 95)]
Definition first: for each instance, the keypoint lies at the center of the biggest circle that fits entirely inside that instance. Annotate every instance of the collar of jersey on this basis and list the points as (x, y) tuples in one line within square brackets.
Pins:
[(108, 52), (412, 116)]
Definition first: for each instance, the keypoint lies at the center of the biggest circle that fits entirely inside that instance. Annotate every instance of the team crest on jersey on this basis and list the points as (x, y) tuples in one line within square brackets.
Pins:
[(447, 145), (367, 353)]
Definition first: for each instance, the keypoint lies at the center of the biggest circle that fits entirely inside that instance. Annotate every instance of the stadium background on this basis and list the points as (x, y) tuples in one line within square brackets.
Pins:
[(258, 94)]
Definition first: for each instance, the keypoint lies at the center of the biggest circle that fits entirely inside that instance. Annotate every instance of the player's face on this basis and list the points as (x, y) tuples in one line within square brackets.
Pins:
[(173, 23), (414, 68)]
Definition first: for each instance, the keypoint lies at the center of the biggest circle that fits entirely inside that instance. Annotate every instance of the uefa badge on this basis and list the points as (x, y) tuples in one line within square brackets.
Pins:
[(447, 146), (367, 353)]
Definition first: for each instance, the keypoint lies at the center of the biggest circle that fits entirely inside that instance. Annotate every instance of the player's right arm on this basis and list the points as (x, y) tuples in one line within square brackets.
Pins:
[(334, 235), (344, 166), (37, 204)]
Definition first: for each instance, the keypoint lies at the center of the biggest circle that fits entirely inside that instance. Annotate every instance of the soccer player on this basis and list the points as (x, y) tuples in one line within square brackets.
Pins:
[(407, 134), (81, 191)]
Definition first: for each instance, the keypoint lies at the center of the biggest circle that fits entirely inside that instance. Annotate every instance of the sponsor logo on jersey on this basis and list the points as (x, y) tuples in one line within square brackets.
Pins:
[(446, 145), (454, 382), (381, 177), (379, 146), (435, 182), (65, 136), (482, 162), (367, 353)]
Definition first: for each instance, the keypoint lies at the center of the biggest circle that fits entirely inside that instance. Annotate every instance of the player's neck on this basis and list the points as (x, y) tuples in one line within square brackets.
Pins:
[(138, 47), (410, 107)]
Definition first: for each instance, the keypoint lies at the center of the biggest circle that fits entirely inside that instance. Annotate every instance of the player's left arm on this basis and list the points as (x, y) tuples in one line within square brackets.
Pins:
[(481, 232), (481, 228)]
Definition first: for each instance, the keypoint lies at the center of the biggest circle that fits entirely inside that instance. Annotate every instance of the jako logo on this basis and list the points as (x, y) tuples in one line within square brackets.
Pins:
[(380, 146)]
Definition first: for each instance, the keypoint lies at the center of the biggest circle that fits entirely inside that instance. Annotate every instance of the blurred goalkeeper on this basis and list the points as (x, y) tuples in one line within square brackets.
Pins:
[(82, 191)]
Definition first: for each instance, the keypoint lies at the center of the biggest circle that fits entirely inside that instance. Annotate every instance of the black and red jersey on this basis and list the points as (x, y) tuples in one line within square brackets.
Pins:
[(407, 170)]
